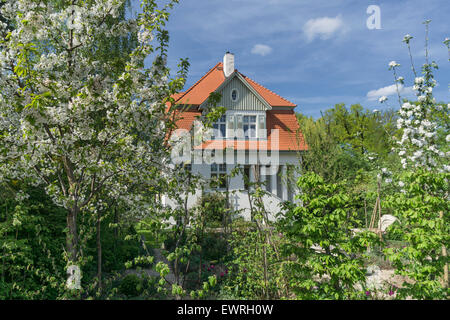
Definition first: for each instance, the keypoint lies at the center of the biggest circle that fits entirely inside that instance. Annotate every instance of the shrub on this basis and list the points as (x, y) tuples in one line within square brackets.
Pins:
[(213, 207), (131, 285)]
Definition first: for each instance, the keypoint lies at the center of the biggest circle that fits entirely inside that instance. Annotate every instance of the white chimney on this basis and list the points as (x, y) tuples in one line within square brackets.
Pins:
[(228, 64)]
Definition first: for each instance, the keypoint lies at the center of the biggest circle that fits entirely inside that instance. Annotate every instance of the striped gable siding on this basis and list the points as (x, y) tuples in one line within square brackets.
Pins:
[(247, 99)]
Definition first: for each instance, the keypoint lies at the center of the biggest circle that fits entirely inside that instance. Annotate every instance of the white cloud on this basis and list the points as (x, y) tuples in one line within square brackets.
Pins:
[(373, 95), (322, 27), (261, 49)]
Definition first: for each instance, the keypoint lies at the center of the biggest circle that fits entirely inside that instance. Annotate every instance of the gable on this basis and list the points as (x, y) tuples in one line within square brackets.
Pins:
[(214, 80), (247, 100)]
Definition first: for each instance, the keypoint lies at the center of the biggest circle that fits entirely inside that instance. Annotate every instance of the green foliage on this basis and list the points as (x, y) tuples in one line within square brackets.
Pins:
[(213, 247), (31, 242), (326, 259), (131, 285), (341, 141), (422, 209), (312, 252), (119, 245), (212, 206), (247, 278)]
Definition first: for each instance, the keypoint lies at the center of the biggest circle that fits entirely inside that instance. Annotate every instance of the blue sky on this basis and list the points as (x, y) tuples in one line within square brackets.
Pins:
[(314, 53)]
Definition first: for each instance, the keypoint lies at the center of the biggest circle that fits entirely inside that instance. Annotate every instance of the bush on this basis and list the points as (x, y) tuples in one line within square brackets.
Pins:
[(213, 206), (131, 285), (214, 248)]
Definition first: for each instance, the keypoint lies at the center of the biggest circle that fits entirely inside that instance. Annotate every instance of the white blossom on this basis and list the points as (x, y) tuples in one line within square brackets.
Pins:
[(419, 80), (421, 98), (393, 64)]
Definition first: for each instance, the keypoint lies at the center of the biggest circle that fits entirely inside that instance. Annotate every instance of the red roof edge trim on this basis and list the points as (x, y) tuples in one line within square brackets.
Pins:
[(200, 80), (251, 82)]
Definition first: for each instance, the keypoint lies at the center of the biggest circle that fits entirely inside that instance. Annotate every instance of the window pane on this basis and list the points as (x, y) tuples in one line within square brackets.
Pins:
[(219, 128), (252, 131)]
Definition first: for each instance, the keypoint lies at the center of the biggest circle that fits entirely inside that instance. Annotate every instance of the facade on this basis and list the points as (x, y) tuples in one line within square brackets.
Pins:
[(259, 133)]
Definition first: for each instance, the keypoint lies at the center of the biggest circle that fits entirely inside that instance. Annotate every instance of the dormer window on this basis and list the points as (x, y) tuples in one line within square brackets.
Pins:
[(234, 95)]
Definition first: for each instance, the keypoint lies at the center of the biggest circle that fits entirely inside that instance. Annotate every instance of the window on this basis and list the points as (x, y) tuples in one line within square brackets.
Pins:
[(262, 132), (279, 191), (219, 175), (249, 126), (219, 128), (234, 95), (268, 179)]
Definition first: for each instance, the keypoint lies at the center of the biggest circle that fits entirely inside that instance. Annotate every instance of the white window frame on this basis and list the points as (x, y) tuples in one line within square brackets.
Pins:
[(238, 127)]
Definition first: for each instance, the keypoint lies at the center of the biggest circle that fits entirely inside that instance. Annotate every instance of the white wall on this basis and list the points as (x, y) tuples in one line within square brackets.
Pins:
[(239, 197)]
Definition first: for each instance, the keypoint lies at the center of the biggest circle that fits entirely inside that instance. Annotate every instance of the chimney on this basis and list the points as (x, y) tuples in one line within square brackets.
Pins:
[(228, 64)]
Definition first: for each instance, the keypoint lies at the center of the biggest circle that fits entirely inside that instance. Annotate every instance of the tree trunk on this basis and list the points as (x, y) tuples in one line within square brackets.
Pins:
[(72, 235), (73, 270)]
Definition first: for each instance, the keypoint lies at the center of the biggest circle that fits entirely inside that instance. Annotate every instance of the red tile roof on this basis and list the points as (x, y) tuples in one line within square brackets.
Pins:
[(290, 136), (199, 92), (186, 119), (271, 97)]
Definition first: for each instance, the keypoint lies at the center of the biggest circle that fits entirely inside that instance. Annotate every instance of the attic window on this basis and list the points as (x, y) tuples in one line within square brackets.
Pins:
[(234, 95)]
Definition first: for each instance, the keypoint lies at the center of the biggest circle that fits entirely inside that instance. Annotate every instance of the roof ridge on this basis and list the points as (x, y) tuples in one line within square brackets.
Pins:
[(258, 84), (200, 80)]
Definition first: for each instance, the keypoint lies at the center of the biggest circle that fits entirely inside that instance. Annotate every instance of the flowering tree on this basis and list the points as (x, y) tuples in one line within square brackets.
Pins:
[(73, 119), (422, 203)]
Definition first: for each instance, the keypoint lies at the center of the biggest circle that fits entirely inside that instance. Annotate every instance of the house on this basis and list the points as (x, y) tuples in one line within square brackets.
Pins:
[(259, 133)]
